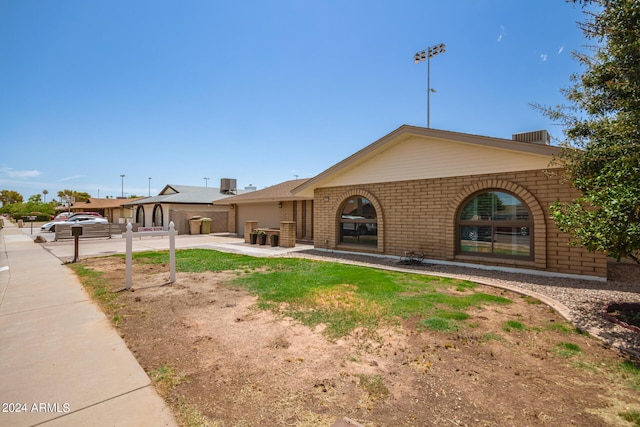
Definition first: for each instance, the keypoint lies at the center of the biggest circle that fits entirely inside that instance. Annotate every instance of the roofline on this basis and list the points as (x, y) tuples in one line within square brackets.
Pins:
[(261, 200), (408, 130), (169, 202)]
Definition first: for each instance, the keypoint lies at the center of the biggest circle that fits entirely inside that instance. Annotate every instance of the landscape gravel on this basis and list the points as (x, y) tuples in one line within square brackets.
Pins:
[(580, 301)]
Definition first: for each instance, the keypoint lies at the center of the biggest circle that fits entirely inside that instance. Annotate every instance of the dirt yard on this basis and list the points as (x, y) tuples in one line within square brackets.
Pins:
[(220, 361)]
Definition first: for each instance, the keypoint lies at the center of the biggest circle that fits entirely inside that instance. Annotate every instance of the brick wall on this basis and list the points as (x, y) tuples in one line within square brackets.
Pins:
[(420, 215)]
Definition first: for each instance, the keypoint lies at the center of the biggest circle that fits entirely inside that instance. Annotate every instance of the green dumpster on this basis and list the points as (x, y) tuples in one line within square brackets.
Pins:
[(206, 225)]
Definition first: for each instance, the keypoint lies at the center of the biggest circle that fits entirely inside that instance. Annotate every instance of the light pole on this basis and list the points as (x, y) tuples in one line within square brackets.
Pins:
[(122, 179), (421, 56), (206, 182), (149, 186)]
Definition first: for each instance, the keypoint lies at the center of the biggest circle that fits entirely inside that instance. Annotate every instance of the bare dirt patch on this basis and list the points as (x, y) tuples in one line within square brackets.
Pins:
[(231, 364)]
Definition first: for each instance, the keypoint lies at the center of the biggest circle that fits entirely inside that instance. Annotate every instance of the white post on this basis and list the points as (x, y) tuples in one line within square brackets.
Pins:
[(172, 252), (129, 256)]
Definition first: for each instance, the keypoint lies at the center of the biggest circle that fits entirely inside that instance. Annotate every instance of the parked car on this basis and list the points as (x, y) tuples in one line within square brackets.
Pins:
[(62, 216), (67, 215), (83, 219)]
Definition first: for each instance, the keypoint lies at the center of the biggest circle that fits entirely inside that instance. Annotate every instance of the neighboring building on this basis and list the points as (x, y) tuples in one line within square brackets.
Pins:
[(269, 206), (457, 198), (112, 209), (179, 203)]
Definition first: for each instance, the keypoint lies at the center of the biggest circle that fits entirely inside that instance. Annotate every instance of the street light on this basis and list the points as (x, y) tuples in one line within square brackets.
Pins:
[(149, 186), (206, 182), (427, 54), (122, 179)]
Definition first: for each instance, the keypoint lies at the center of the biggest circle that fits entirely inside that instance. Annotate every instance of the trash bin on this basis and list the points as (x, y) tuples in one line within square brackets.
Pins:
[(206, 226), (194, 224), (20, 223)]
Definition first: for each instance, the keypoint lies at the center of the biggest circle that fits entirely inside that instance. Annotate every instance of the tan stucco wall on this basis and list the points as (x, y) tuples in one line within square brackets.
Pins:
[(420, 215), (267, 214)]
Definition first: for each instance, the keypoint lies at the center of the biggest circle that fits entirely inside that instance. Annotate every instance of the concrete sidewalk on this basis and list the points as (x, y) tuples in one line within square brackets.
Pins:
[(61, 362)]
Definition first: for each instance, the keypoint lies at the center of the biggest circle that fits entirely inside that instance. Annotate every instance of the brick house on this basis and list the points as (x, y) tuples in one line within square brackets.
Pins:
[(457, 198)]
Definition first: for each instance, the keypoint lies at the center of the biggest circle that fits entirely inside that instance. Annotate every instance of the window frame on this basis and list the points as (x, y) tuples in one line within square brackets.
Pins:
[(140, 215), (493, 225), (358, 224), (157, 208)]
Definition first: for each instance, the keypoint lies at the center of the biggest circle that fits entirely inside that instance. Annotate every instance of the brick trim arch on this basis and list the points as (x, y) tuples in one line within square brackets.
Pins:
[(539, 223), (337, 208)]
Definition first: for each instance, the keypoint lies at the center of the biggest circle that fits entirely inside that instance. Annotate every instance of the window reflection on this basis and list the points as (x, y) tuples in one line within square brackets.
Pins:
[(495, 223)]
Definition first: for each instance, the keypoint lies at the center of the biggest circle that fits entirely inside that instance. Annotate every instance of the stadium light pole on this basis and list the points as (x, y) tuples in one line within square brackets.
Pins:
[(122, 189), (427, 54)]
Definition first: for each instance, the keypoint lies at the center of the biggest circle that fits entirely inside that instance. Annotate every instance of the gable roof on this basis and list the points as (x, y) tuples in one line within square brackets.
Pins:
[(97, 203), (276, 193), (411, 152), (184, 194)]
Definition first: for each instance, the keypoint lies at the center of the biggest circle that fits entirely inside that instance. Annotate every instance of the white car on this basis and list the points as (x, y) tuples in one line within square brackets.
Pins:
[(83, 219)]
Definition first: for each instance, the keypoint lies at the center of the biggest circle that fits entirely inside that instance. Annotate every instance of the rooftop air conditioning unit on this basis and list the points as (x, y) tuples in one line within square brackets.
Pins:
[(537, 137), (228, 186)]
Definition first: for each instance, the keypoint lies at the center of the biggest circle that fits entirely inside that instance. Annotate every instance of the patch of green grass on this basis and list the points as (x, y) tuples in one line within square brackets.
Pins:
[(94, 283), (374, 386), (513, 325), (632, 417), (200, 260), (344, 297), (440, 324), (466, 285), (444, 321), (340, 297), (631, 372), (530, 300), (560, 327), (567, 349), (166, 377), (192, 417)]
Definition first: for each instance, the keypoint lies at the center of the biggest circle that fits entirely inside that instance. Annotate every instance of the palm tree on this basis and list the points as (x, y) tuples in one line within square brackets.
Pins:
[(45, 192)]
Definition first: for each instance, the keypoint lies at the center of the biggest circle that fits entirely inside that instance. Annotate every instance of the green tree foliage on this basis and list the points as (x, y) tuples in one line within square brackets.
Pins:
[(8, 197), (601, 153), (36, 198), (18, 209), (78, 196)]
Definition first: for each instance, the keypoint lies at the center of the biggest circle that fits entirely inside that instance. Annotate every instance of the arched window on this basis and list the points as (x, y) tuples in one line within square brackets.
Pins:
[(140, 215), (157, 216), (358, 222), (495, 223)]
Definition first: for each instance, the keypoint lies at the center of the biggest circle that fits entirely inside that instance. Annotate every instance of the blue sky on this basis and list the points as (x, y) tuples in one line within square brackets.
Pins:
[(260, 91)]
